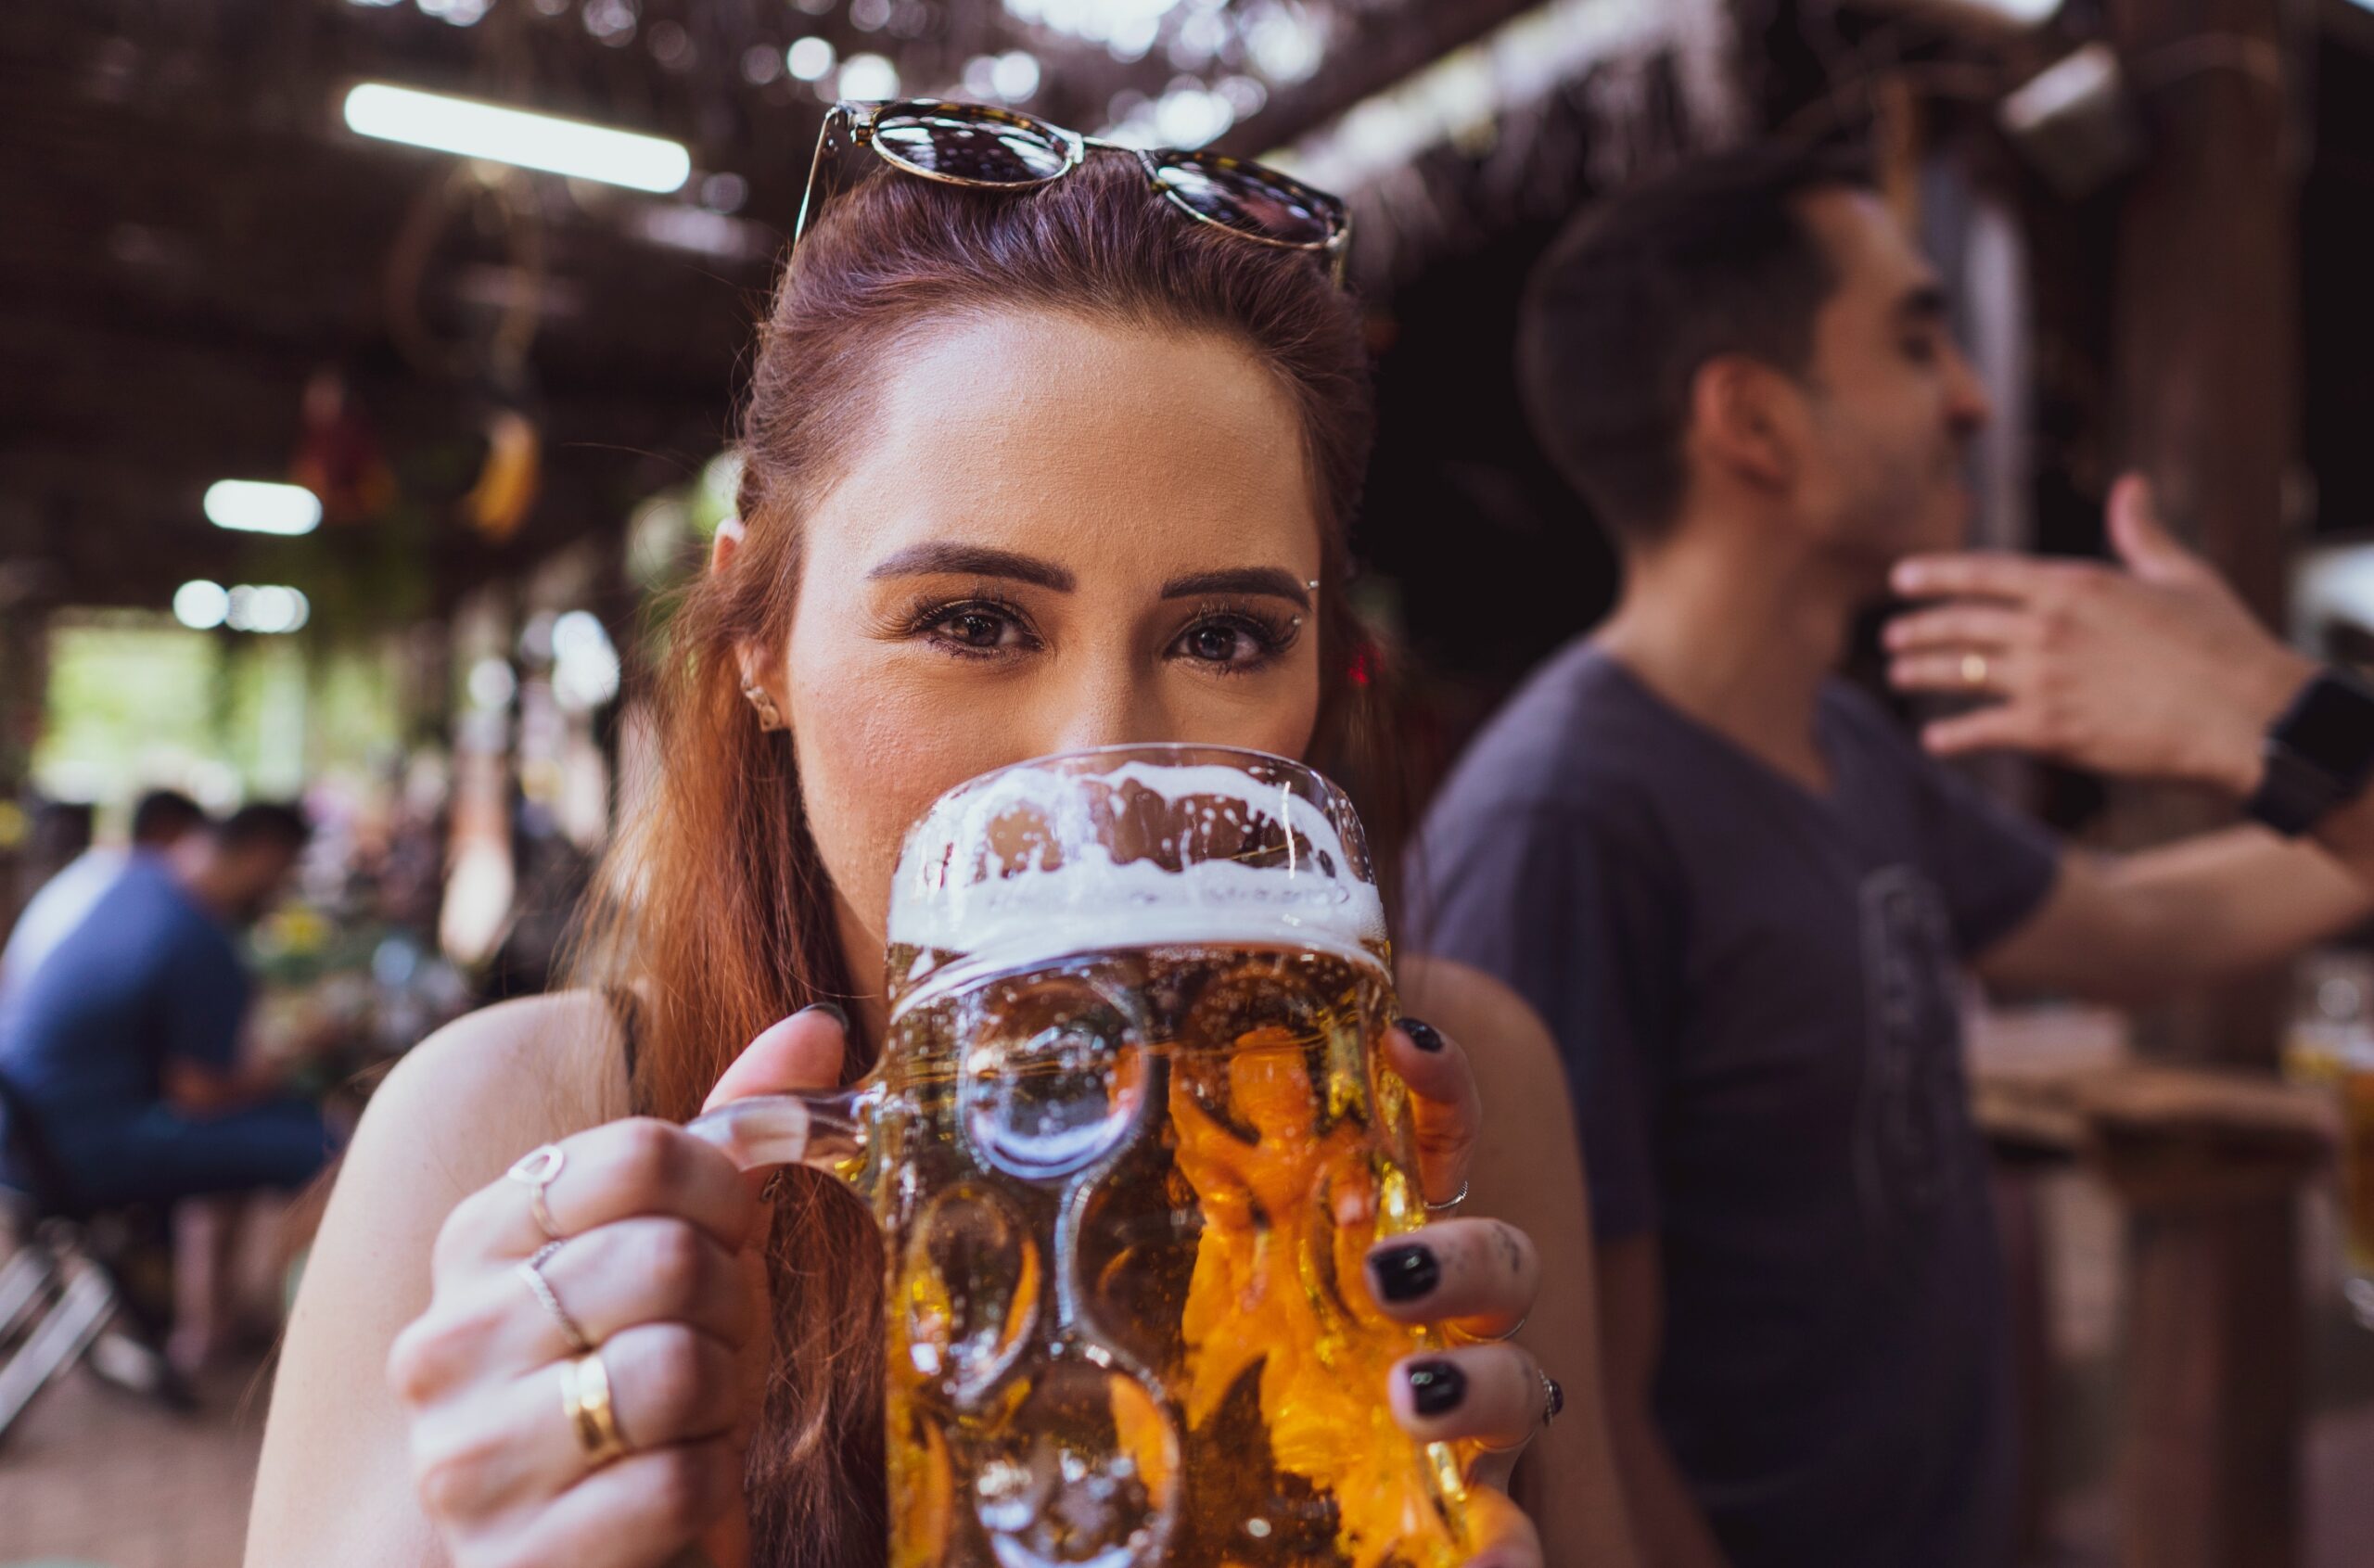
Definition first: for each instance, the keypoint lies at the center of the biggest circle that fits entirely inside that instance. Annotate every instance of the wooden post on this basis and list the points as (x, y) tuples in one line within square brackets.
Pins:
[(2205, 362)]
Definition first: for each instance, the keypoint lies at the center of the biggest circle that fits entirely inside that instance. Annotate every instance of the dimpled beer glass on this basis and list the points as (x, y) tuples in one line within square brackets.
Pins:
[(1131, 1140)]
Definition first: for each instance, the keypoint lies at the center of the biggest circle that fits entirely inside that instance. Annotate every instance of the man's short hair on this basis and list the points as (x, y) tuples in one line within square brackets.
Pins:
[(163, 815), (266, 824), (1641, 291)]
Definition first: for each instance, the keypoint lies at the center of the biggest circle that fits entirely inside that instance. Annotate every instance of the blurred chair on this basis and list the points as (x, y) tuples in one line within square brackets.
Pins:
[(62, 1298)]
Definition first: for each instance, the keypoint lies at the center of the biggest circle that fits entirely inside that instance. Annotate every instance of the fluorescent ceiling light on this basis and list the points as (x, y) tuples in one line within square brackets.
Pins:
[(253, 506), (471, 129), (270, 609), (200, 606)]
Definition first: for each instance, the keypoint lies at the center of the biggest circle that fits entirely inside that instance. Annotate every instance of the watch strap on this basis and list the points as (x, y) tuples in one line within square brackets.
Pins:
[(2318, 754)]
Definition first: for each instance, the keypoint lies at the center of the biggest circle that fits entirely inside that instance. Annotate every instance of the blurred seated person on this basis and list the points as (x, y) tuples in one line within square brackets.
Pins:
[(125, 1043), (161, 819)]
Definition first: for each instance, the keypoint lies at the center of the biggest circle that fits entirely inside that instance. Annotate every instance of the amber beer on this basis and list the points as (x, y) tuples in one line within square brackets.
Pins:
[(2356, 1089), (1130, 1320), (1131, 1140)]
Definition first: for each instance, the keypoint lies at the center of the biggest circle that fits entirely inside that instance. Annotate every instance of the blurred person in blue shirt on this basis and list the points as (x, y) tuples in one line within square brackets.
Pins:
[(126, 1044), (161, 819)]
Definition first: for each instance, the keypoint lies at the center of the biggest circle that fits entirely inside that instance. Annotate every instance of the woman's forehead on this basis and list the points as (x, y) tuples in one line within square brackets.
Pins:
[(1072, 440)]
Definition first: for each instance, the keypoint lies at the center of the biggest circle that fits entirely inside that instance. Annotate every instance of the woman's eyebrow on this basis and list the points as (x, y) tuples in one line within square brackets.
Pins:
[(1242, 580), (940, 558)]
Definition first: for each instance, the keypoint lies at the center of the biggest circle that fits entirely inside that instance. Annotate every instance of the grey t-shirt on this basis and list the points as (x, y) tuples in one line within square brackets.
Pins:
[(1754, 989)]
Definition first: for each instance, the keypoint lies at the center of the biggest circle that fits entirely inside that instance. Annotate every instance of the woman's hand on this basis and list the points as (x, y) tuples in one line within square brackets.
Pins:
[(1477, 1279), (640, 1245)]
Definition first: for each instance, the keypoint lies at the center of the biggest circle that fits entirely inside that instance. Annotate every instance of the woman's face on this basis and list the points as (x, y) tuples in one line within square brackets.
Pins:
[(1053, 535)]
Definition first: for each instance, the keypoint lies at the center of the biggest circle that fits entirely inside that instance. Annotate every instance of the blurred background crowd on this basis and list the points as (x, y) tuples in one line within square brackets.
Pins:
[(350, 439)]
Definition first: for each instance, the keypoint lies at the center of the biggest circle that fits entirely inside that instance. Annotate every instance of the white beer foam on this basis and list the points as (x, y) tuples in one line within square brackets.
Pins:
[(1090, 902)]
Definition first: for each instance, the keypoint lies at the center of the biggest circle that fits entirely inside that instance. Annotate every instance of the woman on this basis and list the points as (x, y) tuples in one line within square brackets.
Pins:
[(1026, 470)]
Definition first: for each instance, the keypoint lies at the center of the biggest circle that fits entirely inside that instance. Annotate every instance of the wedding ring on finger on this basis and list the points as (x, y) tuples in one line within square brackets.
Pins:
[(532, 1271), (536, 1170), (585, 1399), (1451, 1202)]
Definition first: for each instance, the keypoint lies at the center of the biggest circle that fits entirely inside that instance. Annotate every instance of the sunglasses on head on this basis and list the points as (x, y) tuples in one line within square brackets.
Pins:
[(987, 148)]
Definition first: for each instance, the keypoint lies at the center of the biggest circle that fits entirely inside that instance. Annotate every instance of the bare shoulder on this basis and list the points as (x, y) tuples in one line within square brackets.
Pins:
[(1479, 1012), (499, 1081), (333, 1484)]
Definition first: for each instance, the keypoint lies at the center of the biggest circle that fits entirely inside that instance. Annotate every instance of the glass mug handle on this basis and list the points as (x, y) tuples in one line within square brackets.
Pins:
[(827, 1129)]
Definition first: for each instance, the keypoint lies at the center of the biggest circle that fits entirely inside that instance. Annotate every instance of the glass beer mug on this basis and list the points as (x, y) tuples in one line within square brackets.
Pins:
[(1130, 1139)]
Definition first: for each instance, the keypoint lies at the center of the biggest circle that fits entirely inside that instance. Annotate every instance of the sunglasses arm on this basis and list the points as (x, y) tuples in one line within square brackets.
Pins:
[(839, 114)]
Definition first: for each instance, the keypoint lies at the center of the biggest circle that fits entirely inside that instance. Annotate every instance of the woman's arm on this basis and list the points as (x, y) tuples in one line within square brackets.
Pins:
[(336, 1482), (1528, 1170)]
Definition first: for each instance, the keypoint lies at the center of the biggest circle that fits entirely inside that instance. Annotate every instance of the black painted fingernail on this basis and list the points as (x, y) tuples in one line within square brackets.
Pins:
[(1557, 1400), (1405, 1272), (830, 1010), (1425, 1036), (1436, 1387)]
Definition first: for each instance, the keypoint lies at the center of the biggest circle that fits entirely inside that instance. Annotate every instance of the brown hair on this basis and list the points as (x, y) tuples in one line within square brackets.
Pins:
[(724, 922), (1711, 260)]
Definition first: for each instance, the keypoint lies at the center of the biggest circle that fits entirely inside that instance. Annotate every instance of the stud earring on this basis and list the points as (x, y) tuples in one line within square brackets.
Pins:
[(769, 715)]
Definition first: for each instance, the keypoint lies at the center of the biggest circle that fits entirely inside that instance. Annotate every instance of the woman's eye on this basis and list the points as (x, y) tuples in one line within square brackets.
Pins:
[(978, 629), (1226, 644)]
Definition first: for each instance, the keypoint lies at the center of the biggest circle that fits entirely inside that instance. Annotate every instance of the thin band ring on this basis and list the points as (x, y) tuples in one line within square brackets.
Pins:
[(585, 1399), (531, 1270), (1451, 1202), (536, 1170)]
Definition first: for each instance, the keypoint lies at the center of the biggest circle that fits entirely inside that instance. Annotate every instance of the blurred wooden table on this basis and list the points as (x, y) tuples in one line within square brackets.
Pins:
[(2208, 1165)]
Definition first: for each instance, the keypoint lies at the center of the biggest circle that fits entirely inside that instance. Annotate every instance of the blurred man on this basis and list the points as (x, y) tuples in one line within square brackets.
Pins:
[(161, 819), (125, 1040), (1745, 902)]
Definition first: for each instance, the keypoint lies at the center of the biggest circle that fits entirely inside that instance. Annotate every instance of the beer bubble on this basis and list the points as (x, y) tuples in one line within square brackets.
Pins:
[(1054, 1074), (969, 1290), (1084, 1475)]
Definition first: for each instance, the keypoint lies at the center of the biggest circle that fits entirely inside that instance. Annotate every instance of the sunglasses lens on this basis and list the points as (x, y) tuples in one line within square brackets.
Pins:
[(1249, 198), (978, 150)]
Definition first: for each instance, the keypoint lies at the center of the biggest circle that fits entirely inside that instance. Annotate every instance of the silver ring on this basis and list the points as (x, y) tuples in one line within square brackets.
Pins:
[(1451, 1202), (536, 1170), (531, 1270)]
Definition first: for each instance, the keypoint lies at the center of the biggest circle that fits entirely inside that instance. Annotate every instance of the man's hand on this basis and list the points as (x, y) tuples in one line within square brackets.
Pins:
[(2156, 670)]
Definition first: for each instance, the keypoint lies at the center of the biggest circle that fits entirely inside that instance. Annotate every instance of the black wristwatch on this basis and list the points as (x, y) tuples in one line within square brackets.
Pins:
[(2319, 754)]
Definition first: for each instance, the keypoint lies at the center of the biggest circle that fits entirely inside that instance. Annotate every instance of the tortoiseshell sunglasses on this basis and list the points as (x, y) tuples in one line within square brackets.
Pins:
[(998, 149)]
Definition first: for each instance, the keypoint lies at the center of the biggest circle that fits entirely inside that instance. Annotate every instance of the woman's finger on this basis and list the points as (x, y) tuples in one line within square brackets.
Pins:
[(621, 1170), (633, 1513), (1445, 1111), (1478, 1276), (1503, 1535), (801, 1052), (1491, 1395), (515, 1447), (636, 1272), (497, 1325)]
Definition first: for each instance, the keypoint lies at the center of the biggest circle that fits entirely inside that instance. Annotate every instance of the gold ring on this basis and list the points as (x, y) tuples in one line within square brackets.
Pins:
[(1974, 670), (536, 1170), (533, 1271), (585, 1398)]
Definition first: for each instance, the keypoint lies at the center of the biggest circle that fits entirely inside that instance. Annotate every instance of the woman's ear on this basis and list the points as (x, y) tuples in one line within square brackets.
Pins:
[(722, 547)]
